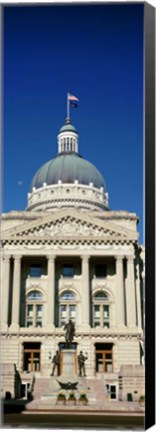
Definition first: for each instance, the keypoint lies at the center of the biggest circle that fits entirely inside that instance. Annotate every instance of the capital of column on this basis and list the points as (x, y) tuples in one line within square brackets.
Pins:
[(6, 258), (119, 258), (17, 258), (130, 258), (51, 258), (85, 258)]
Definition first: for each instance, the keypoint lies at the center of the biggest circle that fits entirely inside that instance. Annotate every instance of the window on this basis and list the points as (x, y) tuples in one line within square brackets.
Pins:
[(34, 295), (68, 270), (35, 270), (100, 270), (34, 309), (101, 310), (104, 358), (31, 358), (67, 308), (68, 295)]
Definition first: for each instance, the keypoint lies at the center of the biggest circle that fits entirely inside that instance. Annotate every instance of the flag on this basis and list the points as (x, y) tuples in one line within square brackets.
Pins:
[(72, 97), (73, 104)]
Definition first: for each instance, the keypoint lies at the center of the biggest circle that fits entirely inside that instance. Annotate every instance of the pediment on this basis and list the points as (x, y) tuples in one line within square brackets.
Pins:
[(67, 224)]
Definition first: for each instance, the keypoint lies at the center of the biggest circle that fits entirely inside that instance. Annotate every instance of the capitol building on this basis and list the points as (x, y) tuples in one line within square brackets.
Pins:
[(69, 256)]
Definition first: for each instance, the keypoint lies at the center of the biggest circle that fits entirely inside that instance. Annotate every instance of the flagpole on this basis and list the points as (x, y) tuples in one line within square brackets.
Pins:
[(68, 114)]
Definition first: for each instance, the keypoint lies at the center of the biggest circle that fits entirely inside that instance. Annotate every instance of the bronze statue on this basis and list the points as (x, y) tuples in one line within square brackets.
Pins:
[(70, 332), (56, 363), (81, 363)]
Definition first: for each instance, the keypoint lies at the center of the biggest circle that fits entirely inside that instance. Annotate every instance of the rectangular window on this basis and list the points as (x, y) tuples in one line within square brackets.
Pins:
[(108, 362), (68, 270), (30, 310), (100, 270), (104, 361), (34, 316), (35, 270), (72, 313), (106, 316), (96, 316), (63, 315), (38, 315)]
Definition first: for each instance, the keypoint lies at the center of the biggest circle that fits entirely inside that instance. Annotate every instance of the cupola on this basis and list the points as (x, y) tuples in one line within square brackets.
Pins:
[(68, 180)]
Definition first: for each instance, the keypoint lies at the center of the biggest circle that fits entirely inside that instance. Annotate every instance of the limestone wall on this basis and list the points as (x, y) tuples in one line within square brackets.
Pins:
[(10, 381), (128, 352), (131, 381)]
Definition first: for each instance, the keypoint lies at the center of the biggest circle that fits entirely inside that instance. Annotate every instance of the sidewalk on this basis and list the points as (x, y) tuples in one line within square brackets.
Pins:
[(49, 406)]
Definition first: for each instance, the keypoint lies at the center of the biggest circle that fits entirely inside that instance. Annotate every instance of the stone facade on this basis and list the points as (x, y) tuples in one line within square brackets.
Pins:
[(78, 263)]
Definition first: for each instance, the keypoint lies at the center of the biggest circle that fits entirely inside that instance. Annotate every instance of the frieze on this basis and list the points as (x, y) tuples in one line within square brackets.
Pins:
[(69, 229)]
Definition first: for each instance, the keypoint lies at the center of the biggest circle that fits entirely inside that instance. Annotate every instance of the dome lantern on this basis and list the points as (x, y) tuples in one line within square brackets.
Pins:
[(67, 138)]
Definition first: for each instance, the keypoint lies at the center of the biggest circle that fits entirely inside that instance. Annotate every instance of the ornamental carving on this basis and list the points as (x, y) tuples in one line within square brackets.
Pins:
[(71, 228)]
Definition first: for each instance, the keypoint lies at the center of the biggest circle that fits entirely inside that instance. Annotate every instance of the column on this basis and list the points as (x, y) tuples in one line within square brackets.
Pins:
[(51, 291), (130, 293), (138, 297), (5, 292), (85, 294), (16, 293), (120, 291)]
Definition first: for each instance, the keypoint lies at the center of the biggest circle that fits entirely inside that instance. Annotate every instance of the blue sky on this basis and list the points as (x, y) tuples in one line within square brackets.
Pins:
[(96, 53)]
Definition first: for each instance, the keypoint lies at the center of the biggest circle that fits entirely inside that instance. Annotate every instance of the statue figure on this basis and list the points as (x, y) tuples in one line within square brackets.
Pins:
[(81, 363), (56, 363), (70, 331)]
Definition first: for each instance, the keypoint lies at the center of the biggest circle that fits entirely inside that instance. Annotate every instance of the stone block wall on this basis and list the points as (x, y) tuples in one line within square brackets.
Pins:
[(131, 382), (10, 381)]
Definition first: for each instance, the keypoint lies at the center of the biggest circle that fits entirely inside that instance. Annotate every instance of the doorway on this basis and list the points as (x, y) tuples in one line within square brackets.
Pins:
[(112, 391), (32, 357), (104, 358)]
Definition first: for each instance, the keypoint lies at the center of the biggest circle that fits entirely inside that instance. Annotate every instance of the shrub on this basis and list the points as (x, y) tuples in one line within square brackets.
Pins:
[(61, 395)]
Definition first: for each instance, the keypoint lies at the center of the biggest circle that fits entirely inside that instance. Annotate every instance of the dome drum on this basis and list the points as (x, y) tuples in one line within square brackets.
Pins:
[(69, 195)]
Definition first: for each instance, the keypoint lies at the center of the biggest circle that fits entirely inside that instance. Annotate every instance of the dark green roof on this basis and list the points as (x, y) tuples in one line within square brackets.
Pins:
[(68, 167), (68, 128)]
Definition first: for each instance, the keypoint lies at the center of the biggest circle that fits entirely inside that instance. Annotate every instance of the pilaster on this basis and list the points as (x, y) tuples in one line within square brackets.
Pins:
[(16, 293), (138, 297), (85, 293), (120, 291), (130, 293), (5, 292), (51, 292)]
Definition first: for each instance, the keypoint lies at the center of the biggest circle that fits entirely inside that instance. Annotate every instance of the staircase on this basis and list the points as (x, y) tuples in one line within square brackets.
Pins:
[(40, 387), (95, 389)]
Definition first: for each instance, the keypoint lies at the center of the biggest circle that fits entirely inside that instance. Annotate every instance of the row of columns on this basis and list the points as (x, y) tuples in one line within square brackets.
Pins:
[(128, 293)]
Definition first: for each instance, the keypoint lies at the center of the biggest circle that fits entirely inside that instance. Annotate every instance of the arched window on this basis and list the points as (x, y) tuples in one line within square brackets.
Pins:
[(34, 309), (67, 308), (101, 310)]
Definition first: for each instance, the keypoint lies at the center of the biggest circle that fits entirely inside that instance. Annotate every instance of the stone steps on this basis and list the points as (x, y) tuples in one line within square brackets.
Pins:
[(47, 388)]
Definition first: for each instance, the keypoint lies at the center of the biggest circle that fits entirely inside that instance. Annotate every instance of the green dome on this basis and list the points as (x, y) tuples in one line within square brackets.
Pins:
[(68, 128), (68, 167)]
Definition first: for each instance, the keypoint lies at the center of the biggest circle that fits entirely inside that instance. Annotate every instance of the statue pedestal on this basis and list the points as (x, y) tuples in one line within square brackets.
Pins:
[(68, 365)]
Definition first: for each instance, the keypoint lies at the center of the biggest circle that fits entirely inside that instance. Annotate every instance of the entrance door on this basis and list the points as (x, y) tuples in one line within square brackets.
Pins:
[(104, 358), (111, 391), (31, 357)]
